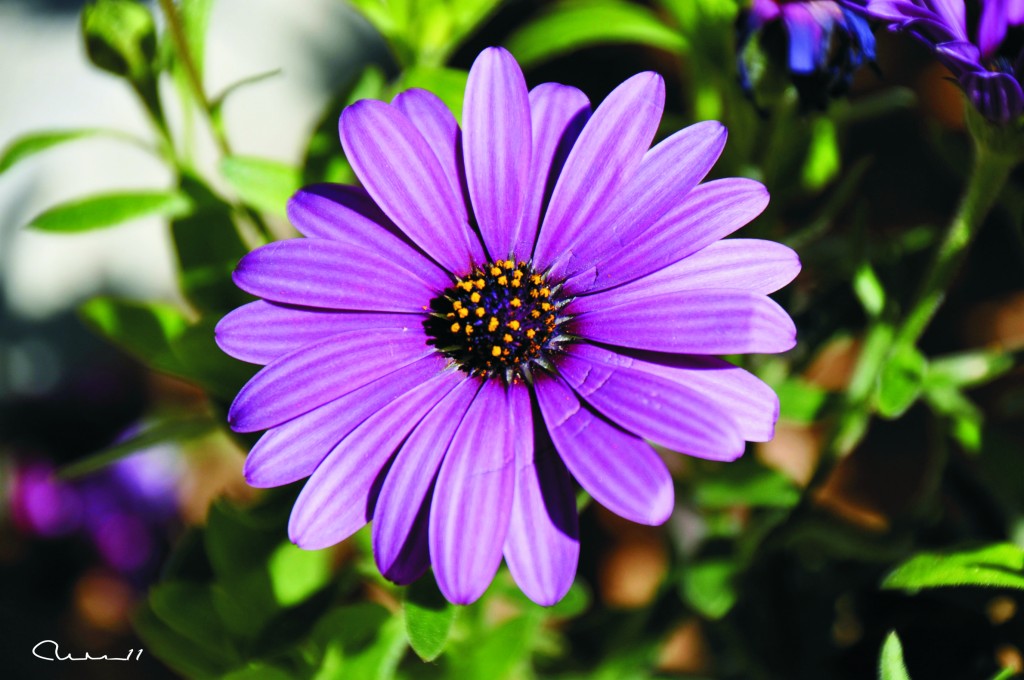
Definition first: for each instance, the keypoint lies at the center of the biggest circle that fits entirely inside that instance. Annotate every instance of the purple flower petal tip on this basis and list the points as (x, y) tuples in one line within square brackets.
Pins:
[(542, 271)]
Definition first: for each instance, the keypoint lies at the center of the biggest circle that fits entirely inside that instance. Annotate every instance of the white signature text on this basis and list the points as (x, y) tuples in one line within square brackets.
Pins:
[(55, 654)]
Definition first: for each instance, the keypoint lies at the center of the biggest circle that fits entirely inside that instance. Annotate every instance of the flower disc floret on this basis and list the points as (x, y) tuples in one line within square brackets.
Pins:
[(497, 320)]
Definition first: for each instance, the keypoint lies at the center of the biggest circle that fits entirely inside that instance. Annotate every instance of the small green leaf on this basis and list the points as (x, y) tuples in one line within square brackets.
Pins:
[(967, 419), (900, 381), (36, 142), (264, 184), (708, 586), (188, 609), (1005, 674), (120, 37), (146, 330), (359, 641), (295, 574), (570, 26), (968, 369), (195, 18), (1000, 565), (890, 664), (800, 401), (746, 484), (157, 433), (869, 290), (823, 162), (108, 210), (176, 650), (428, 618)]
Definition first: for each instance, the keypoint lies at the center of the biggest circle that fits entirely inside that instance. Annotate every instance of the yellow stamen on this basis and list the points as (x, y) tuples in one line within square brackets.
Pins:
[(455, 328), (509, 264), (507, 337), (530, 333), (545, 292), (495, 271), (537, 279), (457, 305), (516, 302), (502, 280), (514, 325), (546, 306), (475, 297), (535, 314), (495, 351), (463, 313), (479, 283), (480, 311), (493, 324)]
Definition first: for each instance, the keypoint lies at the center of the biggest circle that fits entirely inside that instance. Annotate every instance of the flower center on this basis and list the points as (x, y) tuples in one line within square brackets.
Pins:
[(497, 320)]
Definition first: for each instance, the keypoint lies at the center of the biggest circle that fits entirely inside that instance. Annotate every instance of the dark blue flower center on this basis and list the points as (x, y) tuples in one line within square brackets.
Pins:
[(497, 320)]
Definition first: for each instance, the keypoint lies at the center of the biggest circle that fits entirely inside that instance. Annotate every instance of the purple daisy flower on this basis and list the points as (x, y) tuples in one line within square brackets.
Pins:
[(503, 309), (825, 44), (989, 76)]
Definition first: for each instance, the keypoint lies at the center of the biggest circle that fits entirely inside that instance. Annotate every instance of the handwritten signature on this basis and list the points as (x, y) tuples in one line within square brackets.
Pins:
[(88, 657)]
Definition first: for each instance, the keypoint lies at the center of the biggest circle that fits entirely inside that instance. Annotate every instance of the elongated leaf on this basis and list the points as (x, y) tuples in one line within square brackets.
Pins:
[(869, 290), (188, 609), (195, 18), (174, 649), (570, 26), (145, 329), (967, 369), (708, 586), (890, 665), (159, 433), (428, 618), (33, 143), (1000, 565), (264, 184), (120, 37), (108, 210), (295, 574), (899, 383)]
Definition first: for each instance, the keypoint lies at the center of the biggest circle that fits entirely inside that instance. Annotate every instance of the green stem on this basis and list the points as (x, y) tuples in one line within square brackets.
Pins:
[(990, 173)]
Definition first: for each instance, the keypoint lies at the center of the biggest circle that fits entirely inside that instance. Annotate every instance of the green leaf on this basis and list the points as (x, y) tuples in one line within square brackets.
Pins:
[(869, 290), (162, 431), (176, 650), (295, 574), (359, 641), (900, 381), (967, 419), (575, 602), (823, 162), (264, 184), (746, 484), (1000, 565), (36, 142), (146, 330), (120, 37), (570, 26), (259, 671), (108, 210), (968, 369), (428, 618), (890, 664), (448, 84), (195, 18), (204, 362), (188, 609), (800, 401), (708, 586), (1005, 674)]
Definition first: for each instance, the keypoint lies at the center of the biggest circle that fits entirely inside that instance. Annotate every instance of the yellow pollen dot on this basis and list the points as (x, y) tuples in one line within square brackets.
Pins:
[(516, 302), (509, 264), (457, 305), (535, 314), (537, 279), (506, 352), (546, 306), (545, 292), (534, 293), (479, 283), (480, 311), (466, 286), (516, 283), (502, 280), (450, 315), (514, 325), (495, 351), (507, 337), (517, 274), (463, 313), (530, 333), (475, 297), (495, 271), (469, 330), (455, 328), (493, 324)]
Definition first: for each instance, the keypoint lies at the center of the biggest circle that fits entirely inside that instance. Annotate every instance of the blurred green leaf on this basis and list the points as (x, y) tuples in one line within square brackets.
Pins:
[(295, 574), (575, 602), (890, 664), (108, 210), (569, 26), (120, 37), (325, 161), (708, 585), (968, 369), (33, 143), (800, 401), (1005, 674), (195, 19), (869, 290), (159, 432), (823, 160), (360, 641), (1000, 565), (499, 652), (447, 83), (428, 618), (177, 651), (966, 417), (745, 484), (259, 671), (146, 330), (197, 351), (264, 184), (900, 381), (188, 609)]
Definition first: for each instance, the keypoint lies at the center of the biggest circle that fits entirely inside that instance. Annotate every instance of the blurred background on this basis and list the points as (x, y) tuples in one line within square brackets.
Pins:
[(769, 568)]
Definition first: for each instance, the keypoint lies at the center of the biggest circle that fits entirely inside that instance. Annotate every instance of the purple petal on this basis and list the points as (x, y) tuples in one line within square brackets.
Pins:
[(319, 273), (807, 38), (260, 331), (751, 404), (604, 158), (497, 140), (412, 475), (403, 175), (998, 96), (469, 515), (542, 548), (745, 264), (721, 321), (621, 472), (316, 374), (339, 212), (953, 14), (337, 500), (992, 26), (708, 213), (668, 173), (413, 559), (558, 114), (438, 126), (959, 56), (292, 450), (663, 411)]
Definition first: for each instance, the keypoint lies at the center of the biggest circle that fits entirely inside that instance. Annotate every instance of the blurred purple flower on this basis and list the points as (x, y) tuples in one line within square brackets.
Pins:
[(504, 308), (989, 76), (124, 509), (825, 44)]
